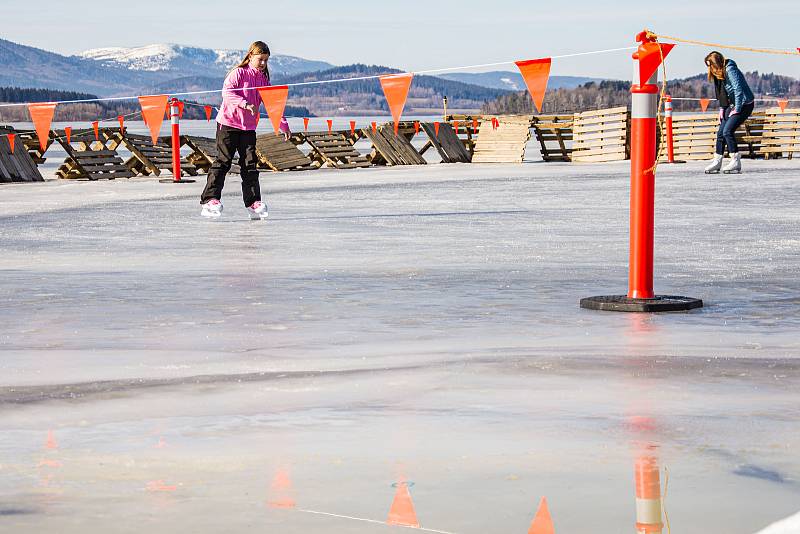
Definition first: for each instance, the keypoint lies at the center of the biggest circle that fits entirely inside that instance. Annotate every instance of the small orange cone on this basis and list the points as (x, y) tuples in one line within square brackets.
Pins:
[(51, 442), (542, 523), (402, 511), (281, 490)]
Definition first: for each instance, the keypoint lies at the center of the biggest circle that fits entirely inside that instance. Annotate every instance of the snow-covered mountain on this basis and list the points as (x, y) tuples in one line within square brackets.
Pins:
[(181, 60)]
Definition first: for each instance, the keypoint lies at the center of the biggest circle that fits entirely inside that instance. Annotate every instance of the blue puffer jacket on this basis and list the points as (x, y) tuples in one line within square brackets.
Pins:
[(739, 92)]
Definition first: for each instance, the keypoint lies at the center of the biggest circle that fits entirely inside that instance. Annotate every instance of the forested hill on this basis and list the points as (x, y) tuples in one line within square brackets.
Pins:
[(18, 94), (351, 97), (612, 93)]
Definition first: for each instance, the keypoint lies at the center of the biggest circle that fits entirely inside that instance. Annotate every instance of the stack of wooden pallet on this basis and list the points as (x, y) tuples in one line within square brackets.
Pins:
[(16, 166), (88, 158), (601, 135), (147, 158), (781, 135), (554, 133), (390, 148), (504, 143), (277, 154), (694, 136), (334, 149)]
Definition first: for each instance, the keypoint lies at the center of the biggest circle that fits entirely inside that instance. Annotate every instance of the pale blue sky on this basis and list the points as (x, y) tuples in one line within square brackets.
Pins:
[(419, 35)]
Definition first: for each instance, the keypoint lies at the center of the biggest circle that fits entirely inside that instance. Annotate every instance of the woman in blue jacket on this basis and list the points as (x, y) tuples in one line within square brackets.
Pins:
[(736, 103)]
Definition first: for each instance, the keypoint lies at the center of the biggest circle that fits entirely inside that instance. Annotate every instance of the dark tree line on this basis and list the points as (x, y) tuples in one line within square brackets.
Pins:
[(614, 93)]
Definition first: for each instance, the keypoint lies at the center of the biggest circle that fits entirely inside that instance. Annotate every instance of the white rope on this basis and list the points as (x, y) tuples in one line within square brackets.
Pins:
[(371, 521), (318, 82)]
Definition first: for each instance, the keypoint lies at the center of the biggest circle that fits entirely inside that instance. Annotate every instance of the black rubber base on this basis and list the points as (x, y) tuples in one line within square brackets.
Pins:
[(621, 303), (181, 181), (671, 162)]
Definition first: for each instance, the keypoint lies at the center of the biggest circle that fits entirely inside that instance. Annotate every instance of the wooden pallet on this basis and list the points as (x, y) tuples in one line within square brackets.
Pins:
[(601, 135), (31, 142), (506, 143), (447, 143), (17, 166), (280, 155), (554, 132), (781, 135), (695, 136), (389, 148), (335, 149), (147, 158), (90, 159), (204, 152)]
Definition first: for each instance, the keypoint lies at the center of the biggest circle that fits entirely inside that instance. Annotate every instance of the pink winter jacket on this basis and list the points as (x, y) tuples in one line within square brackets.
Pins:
[(234, 99)]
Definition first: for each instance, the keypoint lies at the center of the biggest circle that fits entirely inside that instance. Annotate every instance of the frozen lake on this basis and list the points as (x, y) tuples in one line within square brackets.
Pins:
[(397, 323)]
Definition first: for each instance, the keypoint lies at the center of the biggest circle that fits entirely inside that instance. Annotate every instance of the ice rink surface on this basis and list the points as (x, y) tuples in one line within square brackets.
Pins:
[(161, 372)]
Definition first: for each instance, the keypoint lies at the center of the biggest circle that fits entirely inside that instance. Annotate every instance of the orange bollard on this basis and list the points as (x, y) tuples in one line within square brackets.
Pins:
[(668, 125), (648, 496), (175, 113), (644, 117)]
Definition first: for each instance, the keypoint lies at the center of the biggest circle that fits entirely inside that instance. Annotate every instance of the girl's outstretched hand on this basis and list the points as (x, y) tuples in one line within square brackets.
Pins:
[(251, 108)]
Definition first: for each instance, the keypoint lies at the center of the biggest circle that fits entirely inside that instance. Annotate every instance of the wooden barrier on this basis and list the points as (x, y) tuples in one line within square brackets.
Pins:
[(553, 133), (447, 143), (17, 166), (695, 136), (31, 142), (90, 159), (389, 148), (781, 133), (504, 144), (334, 149), (600, 136), (147, 158), (204, 152)]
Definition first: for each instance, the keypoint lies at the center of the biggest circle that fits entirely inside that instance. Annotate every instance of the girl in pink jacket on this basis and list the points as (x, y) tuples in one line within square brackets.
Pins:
[(236, 132)]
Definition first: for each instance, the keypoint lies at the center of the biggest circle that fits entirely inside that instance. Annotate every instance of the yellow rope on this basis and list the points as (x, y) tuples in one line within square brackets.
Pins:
[(729, 47), (661, 96), (664, 498)]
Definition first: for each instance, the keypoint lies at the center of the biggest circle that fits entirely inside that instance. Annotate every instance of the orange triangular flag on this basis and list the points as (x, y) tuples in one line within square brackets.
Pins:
[(207, 109), (121, 120), (416, 127), (402, 511), (96, 128), (169, 111), (180, 109), (436, 129), (474, 125), (42, 116), (281, 490), (495, 123), (68, 133), (374, 126), (353, 127), (330, 125), (305, 123), (542, 523), (536, 73), (782, 104), (11, 141), (396, 87), (51, 442), (650, 59), (151, 112), (455, 125), (704, 103), (274, 99)]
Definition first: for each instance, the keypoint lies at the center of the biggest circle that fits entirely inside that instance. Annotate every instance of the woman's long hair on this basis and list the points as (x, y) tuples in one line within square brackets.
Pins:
[(258, 47), (716, 66)]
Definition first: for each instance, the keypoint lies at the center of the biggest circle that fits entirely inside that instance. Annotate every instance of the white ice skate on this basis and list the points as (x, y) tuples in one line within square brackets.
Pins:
[(212, 209), (734, 166), (716, 165), (257, 210)]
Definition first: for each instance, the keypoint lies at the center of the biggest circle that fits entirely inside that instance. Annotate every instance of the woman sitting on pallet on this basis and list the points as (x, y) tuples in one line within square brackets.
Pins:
[(236, 132), (736, 103)]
